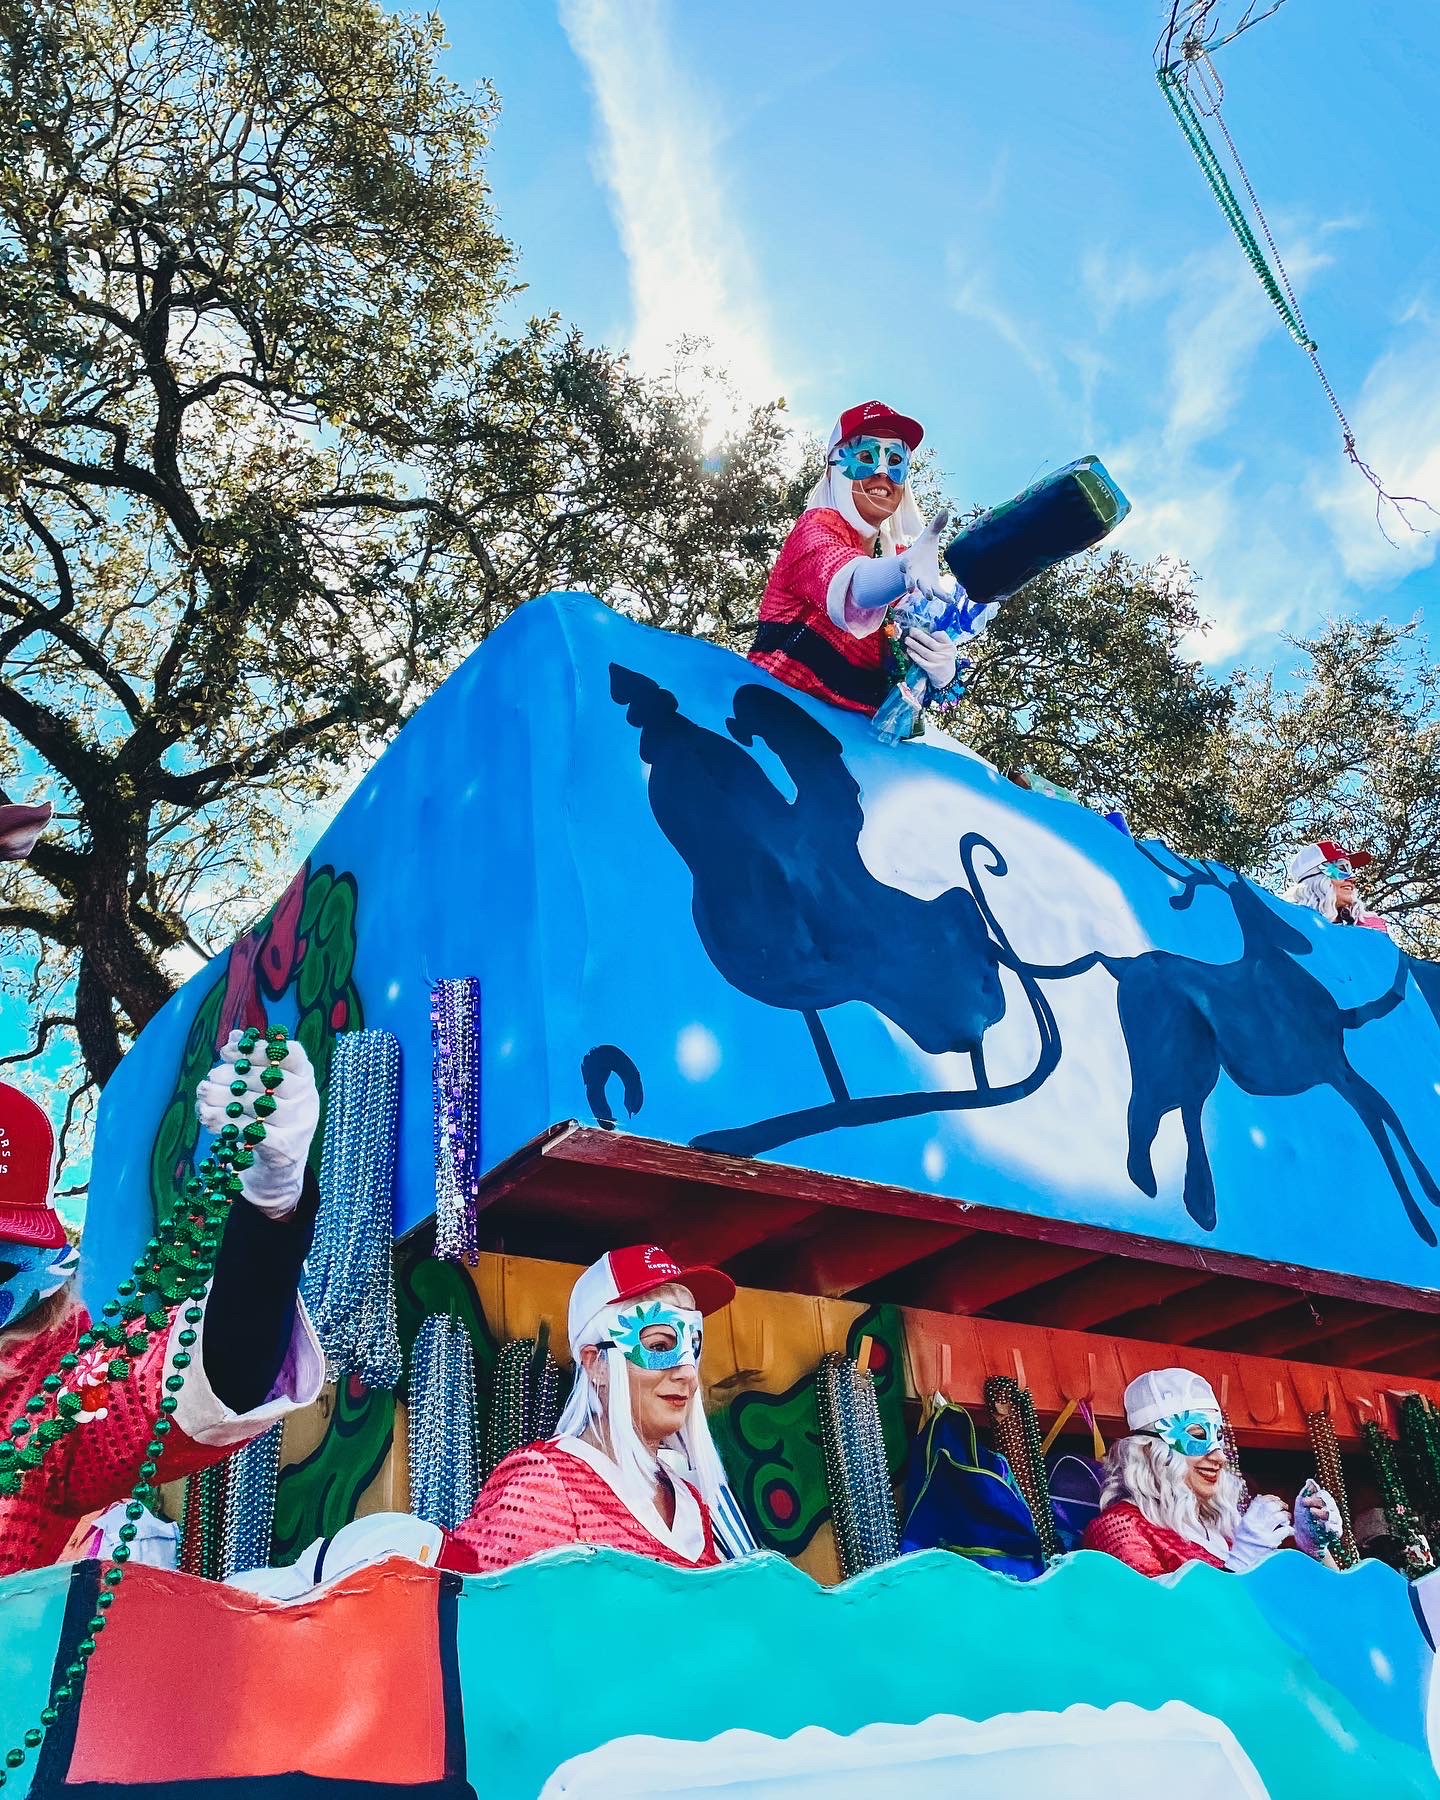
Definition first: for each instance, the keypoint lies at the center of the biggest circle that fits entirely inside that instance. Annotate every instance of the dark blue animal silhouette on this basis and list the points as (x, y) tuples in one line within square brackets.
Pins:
[(789, 913), (597, 1068), (1269, 1024), (1426, 976)]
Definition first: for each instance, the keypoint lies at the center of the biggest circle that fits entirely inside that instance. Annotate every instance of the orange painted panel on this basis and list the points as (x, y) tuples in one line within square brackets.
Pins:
[(1266, 1398), (266, 1689)]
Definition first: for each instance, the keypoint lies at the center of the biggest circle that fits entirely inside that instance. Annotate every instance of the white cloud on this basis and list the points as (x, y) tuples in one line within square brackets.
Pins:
[(1199, 490), (691, 274), (1215, 330), (1396, 422), (973, 298)]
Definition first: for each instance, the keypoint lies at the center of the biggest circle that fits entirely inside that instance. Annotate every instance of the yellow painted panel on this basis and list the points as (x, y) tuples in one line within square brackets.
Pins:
[(762, 1340)]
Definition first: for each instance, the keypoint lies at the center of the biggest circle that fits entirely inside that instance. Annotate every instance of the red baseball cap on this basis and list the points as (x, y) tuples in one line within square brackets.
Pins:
[(27, 1163), (873, 418), (628, 1273), (1357, 859)]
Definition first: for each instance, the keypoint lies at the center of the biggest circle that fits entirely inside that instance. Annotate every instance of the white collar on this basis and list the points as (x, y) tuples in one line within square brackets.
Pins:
[(1209, 1539), (686, 1537)]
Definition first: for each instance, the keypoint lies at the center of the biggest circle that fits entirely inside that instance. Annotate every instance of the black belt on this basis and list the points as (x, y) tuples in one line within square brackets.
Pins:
[(804, 645)]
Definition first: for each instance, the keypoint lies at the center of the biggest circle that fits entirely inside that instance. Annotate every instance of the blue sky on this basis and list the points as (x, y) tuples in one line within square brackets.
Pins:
[(984, 213)]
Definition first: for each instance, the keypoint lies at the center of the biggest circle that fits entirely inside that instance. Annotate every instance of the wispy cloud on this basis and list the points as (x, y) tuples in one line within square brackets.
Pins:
[(691, 272), (974, 298), (1219, 321), (1396, 422), (1200, 489)]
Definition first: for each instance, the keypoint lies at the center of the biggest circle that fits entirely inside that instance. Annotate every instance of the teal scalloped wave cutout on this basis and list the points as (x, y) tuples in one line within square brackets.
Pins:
[(1324, 1679)]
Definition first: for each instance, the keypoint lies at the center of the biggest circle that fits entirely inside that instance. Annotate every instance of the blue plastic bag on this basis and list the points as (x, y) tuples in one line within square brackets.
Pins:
[(960, 1496)]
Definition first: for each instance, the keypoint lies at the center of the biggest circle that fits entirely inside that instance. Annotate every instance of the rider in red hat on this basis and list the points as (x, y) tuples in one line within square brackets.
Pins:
[(857, 547), (631, 1465), (254, 1359), (1322, 877)]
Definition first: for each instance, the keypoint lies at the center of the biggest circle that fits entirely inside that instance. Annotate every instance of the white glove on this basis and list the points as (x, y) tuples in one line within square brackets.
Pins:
[(934, 652), (879, 581), (272, 1182), (1264, 1527), (1318, 1521), (921, 562)]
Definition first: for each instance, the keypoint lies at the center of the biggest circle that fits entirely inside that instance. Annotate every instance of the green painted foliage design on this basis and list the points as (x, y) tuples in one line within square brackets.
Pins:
[(317, 1496), (172, 1158), (770, 1443)]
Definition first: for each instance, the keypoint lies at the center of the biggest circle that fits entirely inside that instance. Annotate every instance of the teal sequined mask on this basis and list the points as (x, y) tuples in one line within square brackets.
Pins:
[(1192, 1433), (654, 1335)]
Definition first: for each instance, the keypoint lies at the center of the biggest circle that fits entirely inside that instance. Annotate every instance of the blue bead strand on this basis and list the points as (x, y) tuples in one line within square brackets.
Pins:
[(349, 1279), (444, 1437)]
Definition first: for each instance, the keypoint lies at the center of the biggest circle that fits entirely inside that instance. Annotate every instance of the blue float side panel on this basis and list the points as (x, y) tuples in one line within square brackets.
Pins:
[(674, 877)]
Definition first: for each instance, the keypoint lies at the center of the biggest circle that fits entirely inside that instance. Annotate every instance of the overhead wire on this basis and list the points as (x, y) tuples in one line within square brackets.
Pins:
[(1197, 29)]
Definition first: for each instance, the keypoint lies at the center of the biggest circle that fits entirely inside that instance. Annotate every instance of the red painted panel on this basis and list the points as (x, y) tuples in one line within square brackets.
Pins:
[(194, 1681)]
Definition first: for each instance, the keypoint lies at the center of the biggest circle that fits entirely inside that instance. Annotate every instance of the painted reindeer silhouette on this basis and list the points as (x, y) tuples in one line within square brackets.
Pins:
[(788, 912), (1269, 1024)]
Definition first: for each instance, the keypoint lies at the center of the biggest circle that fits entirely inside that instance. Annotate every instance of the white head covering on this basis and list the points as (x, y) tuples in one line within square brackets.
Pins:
[(638, 1468), (836, 490), (1306, 862), (1161, 1393)]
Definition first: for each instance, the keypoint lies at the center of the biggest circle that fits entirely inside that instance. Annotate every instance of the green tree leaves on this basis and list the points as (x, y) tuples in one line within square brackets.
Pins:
[(276, 461)]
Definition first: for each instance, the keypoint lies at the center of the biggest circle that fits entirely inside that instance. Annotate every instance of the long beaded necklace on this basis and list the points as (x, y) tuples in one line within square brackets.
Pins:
[(1400, 1515), (1420, 1441), (455, 1045), (186, 1244), (857, 1471), (349, 1279), (1232, 1458), (525, 1399), (1017, 1434), (444, 1439), (1331, 1472), (250, 1503), (202, 1524)]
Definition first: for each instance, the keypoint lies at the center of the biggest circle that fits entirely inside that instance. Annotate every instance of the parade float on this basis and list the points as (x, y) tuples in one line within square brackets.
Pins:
[(617, 943)]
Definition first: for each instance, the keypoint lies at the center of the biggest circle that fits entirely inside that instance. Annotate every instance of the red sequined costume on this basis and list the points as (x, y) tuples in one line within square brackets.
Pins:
[(98, 1462), (541, 1497), (1123, 1531), (797, 639)]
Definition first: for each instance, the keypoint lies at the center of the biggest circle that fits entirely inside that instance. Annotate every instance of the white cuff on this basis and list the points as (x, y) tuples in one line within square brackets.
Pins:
[(843, 615), (206, 1419)]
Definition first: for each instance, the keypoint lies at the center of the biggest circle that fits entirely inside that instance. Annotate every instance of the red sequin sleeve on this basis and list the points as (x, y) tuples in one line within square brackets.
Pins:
[(524, 1507), (818, 548), (100, 1459), (1122, 1532)]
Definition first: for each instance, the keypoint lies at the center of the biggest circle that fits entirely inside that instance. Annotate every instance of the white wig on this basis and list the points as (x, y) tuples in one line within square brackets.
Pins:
[(1315, 891), (1151, 1476), (836, 490), (639, 1469)]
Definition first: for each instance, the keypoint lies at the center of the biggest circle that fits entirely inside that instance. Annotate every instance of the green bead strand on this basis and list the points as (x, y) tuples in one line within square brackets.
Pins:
[(191, 1242)]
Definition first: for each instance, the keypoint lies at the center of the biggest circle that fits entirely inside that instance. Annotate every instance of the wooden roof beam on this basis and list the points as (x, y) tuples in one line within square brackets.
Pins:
[(1295, 1329), (1089, 1297), (850, 1251), (1377, 1341), (1223, 1302), (986, 1270)]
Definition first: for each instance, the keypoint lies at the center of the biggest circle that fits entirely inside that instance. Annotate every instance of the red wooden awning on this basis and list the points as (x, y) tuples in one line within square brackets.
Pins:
[(577, 1190)]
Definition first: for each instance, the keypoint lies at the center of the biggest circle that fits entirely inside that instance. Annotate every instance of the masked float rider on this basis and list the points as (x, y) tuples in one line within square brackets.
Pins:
[(632, 1465), (254, 1357), (1170, 1496), (857, 547), (1322, 877)]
